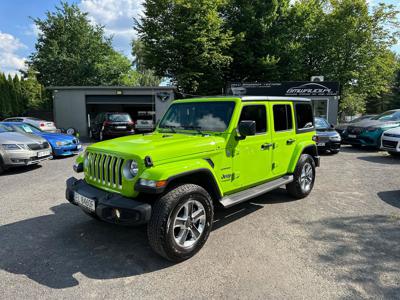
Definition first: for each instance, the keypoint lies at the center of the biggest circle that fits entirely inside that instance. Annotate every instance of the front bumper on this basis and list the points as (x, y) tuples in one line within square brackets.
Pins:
[(364, 138), (23, 158), (390, 144), (132, 212), (67, 150), (330, 145)]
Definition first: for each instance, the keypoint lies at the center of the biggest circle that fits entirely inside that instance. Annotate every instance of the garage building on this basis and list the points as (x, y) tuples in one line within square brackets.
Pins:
[(77, 106)]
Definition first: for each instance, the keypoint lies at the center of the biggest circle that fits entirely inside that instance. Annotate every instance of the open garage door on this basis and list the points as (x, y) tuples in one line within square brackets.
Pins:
[(140, 107)]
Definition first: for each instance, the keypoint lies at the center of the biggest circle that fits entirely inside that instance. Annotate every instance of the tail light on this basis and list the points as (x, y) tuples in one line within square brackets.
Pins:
[(42, 125), (106, 123)]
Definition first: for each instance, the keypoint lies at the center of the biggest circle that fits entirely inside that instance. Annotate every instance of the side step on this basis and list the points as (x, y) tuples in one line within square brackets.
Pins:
[(245, 195)]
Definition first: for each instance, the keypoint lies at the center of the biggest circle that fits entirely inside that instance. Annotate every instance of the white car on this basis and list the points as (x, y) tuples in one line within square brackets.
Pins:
[(41, 124), (391, 141)]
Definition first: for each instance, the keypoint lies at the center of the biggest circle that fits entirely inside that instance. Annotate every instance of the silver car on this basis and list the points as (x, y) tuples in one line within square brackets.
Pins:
[(38, 123), (19, 149)]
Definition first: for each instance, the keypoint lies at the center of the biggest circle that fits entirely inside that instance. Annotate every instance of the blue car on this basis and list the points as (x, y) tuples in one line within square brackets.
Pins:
[(61, 144)]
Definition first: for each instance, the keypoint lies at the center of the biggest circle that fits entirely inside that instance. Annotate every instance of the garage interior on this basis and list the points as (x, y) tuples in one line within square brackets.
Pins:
[(138, 106)]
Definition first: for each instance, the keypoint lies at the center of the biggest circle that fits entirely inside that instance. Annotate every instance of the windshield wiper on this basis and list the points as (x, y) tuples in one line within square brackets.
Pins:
[(170, 127), (197, 128)]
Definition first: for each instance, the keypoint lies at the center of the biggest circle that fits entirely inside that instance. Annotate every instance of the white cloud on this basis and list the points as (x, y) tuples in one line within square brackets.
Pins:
[(117, 17), (10, 61)]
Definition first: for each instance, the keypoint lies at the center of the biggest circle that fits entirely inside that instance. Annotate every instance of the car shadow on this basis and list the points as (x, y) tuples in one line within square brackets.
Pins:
[(52, 249), (362, 251), (384, 159), (20, 170), (363, 149), (390, 197)]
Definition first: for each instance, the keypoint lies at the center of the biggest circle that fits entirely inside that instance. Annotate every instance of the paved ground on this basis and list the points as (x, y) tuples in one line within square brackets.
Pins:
[(343, 241)]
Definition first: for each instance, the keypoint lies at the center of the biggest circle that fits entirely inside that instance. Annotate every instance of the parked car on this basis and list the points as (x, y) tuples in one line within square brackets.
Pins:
[(205, 152), (61, 144), (369, 132), (19, 149), (111, 125), (144, 125), (327, 137), (343, 126), (38, 123), (391, 141)]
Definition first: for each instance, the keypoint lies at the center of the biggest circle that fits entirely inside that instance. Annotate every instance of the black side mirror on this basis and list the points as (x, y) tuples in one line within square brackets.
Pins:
[(246, 128), (332, 126)]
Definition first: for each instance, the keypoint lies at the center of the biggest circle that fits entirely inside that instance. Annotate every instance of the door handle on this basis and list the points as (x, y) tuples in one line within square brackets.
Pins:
[(290, 141), (266, 146)]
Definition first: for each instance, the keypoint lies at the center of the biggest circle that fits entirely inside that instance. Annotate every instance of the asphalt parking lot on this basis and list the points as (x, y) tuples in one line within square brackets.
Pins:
[(343, 241)]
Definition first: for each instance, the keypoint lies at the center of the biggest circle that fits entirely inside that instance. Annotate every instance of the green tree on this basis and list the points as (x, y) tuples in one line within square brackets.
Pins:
[(186, 42), (72, 51), (33, 92)]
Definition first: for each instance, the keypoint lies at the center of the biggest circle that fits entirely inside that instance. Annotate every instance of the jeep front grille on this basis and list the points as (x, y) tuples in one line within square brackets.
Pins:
[(105, 169)]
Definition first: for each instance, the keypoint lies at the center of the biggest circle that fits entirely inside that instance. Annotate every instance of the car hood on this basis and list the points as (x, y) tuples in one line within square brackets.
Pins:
[(395, 130), (56, 137), (327, 132), (19, 138), (160, 146), (375, 123)]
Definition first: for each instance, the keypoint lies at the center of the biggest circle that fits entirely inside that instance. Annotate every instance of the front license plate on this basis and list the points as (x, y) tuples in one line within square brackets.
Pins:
[(43, 153), (120, 127), (84, 202), (321, 144), (352, 136)]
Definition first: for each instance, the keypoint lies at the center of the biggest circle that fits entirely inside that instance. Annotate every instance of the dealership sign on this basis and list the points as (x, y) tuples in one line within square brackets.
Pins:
[(289, 88)]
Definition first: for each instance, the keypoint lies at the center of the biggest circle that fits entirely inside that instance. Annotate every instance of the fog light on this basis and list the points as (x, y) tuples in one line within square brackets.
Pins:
[(117, 213)]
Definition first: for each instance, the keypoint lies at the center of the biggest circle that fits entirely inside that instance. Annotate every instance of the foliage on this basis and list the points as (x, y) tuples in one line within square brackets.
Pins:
[(186, 42), (72, 51)]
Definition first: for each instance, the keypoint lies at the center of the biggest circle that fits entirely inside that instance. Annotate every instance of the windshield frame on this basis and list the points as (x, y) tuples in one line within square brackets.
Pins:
[(195, 129)]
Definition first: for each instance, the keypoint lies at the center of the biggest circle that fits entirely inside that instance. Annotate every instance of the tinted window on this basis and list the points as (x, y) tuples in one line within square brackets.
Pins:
[(256, 113), (304, 116), (5, 128), (211, 116), (119, 118), (282, 117), (26, 128)]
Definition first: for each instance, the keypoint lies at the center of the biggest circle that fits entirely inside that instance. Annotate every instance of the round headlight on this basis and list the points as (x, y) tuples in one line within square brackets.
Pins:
[(134, 168)]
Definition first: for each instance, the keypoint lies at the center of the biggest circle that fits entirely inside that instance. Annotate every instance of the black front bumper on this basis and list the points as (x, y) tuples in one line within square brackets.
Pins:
[(332, 146), (131, 212)]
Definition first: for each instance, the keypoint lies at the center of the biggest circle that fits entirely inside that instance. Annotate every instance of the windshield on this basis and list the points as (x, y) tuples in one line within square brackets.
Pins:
[(321, 123), (119, 118), (388, 116), (26, 128), (5, 128), (209, 116)]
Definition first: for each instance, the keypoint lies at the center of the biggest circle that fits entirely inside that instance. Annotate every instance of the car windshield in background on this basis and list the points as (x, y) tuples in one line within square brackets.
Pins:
[(26, 128), (119, 118), (5, 128), (388, 116), (321, 123), (209, 116)]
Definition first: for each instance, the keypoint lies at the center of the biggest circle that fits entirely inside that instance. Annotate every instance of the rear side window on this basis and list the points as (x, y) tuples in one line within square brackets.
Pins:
[(282, 117), (304, 116), (256, 113)]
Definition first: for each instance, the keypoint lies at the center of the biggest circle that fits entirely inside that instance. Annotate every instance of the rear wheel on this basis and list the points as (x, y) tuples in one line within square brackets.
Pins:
[(303, 177), (181, 222)]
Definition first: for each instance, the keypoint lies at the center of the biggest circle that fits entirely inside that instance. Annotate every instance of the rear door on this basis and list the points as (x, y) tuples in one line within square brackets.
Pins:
[(252, 155), (283, 136)]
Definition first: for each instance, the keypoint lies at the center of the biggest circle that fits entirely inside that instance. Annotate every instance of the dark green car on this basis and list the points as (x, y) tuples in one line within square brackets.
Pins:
[(369, 132)]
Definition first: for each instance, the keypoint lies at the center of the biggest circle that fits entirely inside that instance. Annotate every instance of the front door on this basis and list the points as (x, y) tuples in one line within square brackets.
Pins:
[(283, 136), (252, 155)]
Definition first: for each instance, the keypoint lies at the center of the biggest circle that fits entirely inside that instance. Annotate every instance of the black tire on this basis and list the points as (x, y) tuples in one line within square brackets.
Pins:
[(335, 151), (161, 231), (295, 188), (2, 167)]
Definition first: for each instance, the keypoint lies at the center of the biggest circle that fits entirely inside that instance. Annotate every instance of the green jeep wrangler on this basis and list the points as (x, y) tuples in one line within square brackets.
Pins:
[(205, 152)]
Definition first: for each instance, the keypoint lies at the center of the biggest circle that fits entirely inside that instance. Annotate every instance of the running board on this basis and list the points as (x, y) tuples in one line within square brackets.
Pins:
[(258, 190)]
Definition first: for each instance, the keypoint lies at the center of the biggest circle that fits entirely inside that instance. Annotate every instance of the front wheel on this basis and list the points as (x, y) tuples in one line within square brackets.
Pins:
[(303, 177), (181, 222)]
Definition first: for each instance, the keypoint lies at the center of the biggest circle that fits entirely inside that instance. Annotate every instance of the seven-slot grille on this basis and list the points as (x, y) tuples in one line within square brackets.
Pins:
[(389, 144), (105, 169)]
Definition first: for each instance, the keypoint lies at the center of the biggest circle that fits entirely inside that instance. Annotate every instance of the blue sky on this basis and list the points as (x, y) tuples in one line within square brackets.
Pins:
[(18, 34)]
